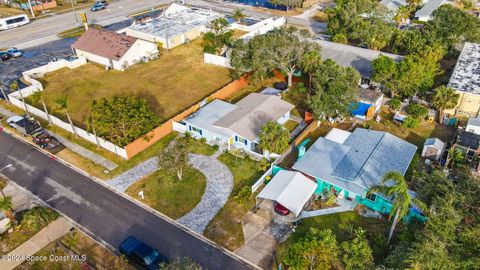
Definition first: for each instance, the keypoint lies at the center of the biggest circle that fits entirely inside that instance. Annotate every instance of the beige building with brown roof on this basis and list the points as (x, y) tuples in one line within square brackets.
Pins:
[(113, 50)]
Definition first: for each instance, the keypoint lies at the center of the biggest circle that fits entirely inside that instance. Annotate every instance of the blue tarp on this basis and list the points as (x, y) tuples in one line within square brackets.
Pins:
[(360, 108)]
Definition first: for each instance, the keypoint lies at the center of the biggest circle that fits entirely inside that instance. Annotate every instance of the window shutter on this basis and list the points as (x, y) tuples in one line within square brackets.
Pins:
[(236, 138), (200, 132), (190, 128), (245, 141)]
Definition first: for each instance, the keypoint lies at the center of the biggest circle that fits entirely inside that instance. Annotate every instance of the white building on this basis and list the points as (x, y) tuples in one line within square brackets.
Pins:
[(177, 25), (473, 125), (238, 125), (433, 149), (113, 50)]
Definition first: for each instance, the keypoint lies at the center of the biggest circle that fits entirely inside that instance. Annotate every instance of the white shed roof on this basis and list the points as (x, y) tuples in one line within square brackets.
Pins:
[(290, 189), (337, 135)]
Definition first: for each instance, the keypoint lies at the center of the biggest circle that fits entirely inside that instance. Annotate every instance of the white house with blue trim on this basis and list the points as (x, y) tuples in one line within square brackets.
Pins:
[(238, 125)]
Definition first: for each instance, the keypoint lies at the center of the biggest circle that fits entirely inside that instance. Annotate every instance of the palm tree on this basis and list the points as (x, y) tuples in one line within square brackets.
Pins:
[(310, 62), (38, 96), (274, 138), (4, 95), (238, 15), (402, 201), (445, 98), (14, 87), (62, 104)]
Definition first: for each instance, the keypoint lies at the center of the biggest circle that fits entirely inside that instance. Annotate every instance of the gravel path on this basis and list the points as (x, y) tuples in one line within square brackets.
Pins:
[(219, 186), (142, 170)]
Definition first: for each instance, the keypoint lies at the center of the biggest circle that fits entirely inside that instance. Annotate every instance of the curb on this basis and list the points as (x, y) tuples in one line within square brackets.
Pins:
[(138, 203)]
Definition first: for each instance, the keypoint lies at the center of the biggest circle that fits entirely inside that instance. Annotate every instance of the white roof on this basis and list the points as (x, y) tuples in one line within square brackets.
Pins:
[(290, 189), (337, 135), (436, 142)]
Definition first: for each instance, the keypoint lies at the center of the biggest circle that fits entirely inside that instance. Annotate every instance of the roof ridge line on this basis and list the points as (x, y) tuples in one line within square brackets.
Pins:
[(371, 154)]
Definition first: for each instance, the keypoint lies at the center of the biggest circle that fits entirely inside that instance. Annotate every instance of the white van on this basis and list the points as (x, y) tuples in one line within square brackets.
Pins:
[(13, 21)]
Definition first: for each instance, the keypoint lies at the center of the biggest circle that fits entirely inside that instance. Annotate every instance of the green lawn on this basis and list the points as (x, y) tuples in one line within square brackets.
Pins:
[(201, 148), (290, 125), (165, 193), (174, 82), (416, 135), (226, 227), (30, 223), (339, 224)]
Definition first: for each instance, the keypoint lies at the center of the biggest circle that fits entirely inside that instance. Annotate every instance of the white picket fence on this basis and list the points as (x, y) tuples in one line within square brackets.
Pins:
[(30, 75)]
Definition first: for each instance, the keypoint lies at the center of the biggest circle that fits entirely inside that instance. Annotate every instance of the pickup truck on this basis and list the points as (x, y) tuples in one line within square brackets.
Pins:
[(24, 124), (141, 255)]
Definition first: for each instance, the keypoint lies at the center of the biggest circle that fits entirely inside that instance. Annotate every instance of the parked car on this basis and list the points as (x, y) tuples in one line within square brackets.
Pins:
[(14, 52), (141, 254), (24, 124), (4, 56), (98, 6), (281, 210)]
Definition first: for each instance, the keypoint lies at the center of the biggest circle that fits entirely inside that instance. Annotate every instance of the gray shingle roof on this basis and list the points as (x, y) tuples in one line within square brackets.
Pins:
[(429, 8), (351, 56), (210, 113), (474, 121), (360, 162), (394, 5), (466, 75), (252, 112)]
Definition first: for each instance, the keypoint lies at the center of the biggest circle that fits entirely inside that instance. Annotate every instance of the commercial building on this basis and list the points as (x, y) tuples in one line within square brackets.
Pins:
[(465, 80), (177, 25)]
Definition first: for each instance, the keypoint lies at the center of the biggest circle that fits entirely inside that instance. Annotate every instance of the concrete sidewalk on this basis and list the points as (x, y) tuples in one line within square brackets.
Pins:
[(52, 232), (97, 159)]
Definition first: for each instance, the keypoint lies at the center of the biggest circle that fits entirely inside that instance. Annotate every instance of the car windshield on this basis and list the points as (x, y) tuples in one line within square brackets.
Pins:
[(151, 257)]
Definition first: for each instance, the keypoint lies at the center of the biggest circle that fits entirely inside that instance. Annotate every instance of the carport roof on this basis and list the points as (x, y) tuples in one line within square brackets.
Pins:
[(290, 189)]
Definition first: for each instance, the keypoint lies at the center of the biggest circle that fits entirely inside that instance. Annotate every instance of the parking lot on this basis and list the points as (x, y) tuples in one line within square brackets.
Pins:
[(33, 57), (40, 55)]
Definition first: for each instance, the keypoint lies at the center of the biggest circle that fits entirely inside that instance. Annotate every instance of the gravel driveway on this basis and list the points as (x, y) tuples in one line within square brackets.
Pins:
[(219, 186)]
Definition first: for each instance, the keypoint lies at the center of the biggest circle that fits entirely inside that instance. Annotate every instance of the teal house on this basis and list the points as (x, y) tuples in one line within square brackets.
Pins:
[(349, 163)]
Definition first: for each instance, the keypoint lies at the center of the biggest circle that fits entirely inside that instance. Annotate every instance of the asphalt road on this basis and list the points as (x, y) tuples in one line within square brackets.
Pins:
[(103, 213), (44, 30)]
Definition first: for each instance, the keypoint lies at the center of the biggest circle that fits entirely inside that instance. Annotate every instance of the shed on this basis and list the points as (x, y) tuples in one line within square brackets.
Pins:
[(337, 135), (473, 125), (433, 149), (290, 189)]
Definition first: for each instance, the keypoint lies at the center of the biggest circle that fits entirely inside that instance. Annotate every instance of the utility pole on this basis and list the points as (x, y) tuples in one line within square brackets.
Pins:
[(74, 11), (31, 9)]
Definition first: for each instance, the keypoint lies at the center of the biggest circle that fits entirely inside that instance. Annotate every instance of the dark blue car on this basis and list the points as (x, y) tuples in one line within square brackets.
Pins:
[(140, 254)]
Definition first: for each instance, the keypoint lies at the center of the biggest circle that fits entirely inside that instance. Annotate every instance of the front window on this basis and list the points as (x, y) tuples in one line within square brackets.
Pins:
[(242, 140), (197, 130), (372, 197)]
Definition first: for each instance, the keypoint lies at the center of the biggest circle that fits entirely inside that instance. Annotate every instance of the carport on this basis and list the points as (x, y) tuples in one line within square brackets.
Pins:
[(291, 189)]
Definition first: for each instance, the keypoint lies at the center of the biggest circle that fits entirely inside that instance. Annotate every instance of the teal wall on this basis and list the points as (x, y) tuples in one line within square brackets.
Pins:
[(380, 204), (322, 185)]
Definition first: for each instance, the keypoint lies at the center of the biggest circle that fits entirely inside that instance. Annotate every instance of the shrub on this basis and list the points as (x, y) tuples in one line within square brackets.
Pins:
[(243, 195), (340, 38), (216, 147), (411, 122), (417, 110), (203, 140), (395, 104), (330, 201)]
